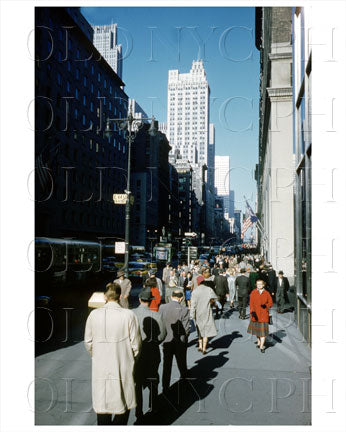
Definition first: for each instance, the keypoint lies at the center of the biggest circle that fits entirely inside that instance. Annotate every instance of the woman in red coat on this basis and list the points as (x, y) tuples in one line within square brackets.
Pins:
[(260, 302), (155, 303)]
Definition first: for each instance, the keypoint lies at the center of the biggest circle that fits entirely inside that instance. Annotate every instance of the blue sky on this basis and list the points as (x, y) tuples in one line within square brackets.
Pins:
[(156, 39)]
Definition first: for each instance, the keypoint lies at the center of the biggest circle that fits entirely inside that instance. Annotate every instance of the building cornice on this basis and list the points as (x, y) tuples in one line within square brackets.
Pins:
[(279, 93), (280, 56)]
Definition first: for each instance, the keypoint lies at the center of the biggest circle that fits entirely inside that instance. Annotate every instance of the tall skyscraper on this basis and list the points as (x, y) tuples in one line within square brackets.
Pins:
[(188, 113), (191, 136), (105, 41), (222, 171)]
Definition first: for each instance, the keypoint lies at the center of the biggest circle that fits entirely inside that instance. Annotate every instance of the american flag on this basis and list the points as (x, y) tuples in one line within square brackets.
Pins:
[(251, 219), (246, 225)]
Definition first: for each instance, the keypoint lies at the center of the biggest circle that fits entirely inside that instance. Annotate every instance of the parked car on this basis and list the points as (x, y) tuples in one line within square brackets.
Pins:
[(110, 264), (139, 269)]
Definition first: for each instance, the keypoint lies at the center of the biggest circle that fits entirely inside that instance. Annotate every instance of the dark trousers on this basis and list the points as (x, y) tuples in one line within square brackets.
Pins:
[(119, 419), (222, 300), (280, 299), (153, 394), (242, 303), (170, 349)]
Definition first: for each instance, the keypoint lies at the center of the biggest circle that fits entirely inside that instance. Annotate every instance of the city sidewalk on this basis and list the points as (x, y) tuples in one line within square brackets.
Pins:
[(234, 384)]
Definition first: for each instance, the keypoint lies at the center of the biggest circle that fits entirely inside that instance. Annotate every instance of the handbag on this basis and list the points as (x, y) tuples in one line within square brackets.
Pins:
[(270, 320)]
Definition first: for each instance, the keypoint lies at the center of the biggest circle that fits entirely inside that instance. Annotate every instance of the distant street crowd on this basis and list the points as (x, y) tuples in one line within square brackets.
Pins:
[(125, 344)]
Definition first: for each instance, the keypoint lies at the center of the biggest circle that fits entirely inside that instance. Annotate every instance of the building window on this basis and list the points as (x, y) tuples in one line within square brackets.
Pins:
[(77, 94), (83, 119), (85, 81), (91, 106), (78, 53), (98, 77), (59, 78), (90, 144), (68, 86), (77, 74), (84, 100), (105, 84), (76, 113), (92, 70), (92, 88), (69, 65)]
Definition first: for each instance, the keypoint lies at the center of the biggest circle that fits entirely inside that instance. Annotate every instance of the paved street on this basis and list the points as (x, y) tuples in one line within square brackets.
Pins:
[(234, 384)]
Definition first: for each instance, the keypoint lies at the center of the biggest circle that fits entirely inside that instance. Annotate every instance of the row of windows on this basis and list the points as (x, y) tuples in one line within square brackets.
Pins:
[(90, 220)]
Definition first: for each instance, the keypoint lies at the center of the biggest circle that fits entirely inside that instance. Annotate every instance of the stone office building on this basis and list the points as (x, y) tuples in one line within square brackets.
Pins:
[(275, 168), (77, 168)]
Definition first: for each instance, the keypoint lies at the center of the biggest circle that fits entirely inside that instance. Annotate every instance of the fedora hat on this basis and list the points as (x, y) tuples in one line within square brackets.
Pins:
[(145, 295), (120, 273)]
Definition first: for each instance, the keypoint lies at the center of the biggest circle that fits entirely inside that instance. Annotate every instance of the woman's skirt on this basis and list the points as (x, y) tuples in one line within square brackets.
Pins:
[(259, 329), (187, 294)]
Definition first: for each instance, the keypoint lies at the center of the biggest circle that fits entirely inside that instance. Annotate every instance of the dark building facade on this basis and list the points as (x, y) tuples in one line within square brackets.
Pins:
[(77, 168), (150, 186)]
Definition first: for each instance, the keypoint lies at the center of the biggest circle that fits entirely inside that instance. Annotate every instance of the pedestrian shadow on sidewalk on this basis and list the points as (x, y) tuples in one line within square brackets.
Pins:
[(228, 313), (274, 338), (187, 392), (225, 341)]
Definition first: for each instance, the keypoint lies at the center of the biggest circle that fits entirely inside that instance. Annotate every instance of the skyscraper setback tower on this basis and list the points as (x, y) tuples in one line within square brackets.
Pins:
[(191, 135), (188, 113), (105, 41)]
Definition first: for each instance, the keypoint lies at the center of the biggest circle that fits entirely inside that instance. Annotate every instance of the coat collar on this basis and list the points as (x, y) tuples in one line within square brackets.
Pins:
[(112, 304)]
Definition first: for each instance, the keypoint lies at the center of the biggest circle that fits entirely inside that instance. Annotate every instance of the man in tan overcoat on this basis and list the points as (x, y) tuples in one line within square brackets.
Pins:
[(113, 339), (126, 286)]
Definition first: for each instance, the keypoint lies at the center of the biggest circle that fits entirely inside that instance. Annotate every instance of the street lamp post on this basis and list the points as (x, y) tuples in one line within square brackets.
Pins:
[(132, 125)]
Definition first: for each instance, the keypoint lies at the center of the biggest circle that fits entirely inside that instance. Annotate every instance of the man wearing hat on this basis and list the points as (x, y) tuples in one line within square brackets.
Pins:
[(125, 285), (282, 286), (170, 285), (176, 319), (146, 368), (242, 285)]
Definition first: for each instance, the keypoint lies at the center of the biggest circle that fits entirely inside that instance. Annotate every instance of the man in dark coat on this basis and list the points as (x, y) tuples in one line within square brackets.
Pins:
[(221, 289), (242, 285), (146, 367), (216, 270), (176, 319), (282, 286), (271, 280)]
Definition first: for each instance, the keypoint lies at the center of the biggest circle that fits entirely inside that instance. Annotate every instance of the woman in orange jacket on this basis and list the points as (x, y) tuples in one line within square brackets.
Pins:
[(260, 303)]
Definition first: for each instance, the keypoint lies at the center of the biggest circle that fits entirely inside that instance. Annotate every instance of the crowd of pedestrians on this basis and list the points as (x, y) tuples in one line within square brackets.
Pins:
[(197, 292)]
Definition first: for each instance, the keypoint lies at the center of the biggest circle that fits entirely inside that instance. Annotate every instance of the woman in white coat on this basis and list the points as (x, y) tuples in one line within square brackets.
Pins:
[(112, 337), (202, 298)]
